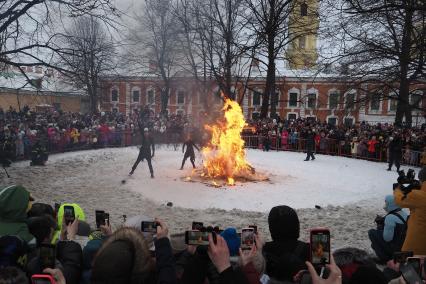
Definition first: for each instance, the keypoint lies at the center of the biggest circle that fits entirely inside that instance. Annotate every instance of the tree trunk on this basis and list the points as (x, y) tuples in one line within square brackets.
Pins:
[(164, 99)]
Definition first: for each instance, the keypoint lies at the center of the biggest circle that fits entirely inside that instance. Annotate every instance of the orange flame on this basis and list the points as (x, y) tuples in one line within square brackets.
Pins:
[(225, 156)]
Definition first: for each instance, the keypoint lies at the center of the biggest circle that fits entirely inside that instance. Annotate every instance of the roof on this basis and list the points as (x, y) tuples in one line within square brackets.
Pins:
[(13, 80)]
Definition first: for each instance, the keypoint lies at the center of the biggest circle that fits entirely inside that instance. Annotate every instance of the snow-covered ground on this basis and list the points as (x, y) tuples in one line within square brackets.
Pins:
[(326, 181), (350, 192)]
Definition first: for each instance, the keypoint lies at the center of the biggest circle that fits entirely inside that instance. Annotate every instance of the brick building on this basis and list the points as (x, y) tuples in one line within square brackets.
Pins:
[(327, 99)]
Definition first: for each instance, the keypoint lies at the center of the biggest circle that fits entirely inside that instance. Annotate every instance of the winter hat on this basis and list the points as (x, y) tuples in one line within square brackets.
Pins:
[(368, 275), (422, 174), (283, 223), (232, 240), (114, 264)]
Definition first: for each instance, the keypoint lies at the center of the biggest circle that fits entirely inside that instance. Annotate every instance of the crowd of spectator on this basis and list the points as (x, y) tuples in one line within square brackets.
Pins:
[(360, 140), (130, 254), (61, 131)]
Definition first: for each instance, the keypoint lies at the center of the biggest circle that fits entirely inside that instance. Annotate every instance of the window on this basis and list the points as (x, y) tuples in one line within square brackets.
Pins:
[(332, 121), (333, 100), (292, 116), (349, 122), (312, 98), (150, 96), (292, 102), (114, 95), (350, 100), (256, 98), (181, 97), (375, 102), (303, 9), (393, 103), (136, 95), (416, 99), (302, 42)]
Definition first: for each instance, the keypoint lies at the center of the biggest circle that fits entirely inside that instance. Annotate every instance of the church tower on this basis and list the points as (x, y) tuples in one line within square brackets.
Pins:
[(303, 28)]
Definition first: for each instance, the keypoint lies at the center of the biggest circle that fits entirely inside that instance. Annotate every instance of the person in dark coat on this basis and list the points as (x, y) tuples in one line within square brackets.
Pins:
[(310, 144), (285, 256), (145, 152), (395, 152), (189, 152), (39, 155)]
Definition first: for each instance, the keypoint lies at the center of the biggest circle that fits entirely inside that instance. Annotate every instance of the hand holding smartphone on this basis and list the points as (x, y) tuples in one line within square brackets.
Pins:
[(69, 214), (320, 246), (247, 238)]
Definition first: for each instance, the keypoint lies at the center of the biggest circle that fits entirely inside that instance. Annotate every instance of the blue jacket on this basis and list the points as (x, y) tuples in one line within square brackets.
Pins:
[(391, 220)]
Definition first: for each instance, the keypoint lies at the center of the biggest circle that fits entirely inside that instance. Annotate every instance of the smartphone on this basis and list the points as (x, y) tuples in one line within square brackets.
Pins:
[(415, 262), (247, 238), (69, 214), (42, 279), (198, 226), (409, 274), (401, 256), (254, 227), (47, 256), (197, 238), (100, 220), (320, 246), (149, 227)]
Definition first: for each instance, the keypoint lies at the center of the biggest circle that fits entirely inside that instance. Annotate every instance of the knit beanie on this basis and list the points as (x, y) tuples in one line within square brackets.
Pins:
[(232, 240), (114, 264), (283, 223)]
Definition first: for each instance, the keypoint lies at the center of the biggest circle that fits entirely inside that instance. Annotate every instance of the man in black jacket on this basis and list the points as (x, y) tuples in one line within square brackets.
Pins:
[(395, 152), (189, 152), (145, 152), (310, 144)]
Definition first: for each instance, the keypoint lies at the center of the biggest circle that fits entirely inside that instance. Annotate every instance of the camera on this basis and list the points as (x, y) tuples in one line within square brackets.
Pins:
[(407, 182)]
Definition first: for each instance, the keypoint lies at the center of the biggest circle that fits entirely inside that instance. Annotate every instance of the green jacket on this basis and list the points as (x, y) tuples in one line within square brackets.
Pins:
[(14, 201)]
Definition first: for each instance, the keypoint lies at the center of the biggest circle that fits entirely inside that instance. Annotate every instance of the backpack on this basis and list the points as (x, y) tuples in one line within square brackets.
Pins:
[(400, 230)]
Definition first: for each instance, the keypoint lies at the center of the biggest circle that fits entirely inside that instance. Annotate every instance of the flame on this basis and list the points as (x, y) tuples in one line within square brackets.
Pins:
[(225, 156)]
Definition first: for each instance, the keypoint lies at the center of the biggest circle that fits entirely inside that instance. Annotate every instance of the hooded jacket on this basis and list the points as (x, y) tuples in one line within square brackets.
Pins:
[(391, 220), (416, 202), (60, 217), (14, 203)]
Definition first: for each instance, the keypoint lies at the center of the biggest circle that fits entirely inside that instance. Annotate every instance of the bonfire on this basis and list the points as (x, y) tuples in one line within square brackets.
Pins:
[(224, 158)]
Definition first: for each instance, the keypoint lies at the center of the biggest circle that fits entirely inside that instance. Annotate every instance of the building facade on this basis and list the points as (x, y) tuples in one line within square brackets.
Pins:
[(324, 99)]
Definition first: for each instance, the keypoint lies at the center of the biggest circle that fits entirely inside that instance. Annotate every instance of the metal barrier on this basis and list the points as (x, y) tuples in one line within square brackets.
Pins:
[(328, 146), (124, 138)]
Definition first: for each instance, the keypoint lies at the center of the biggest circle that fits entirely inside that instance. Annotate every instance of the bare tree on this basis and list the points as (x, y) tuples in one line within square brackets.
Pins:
[(27, 33), (152, 44), (93, 56), (382, 49)]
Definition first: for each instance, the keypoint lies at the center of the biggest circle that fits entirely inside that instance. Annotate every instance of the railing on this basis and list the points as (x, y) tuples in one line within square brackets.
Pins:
[(328, 146), (124, 138)]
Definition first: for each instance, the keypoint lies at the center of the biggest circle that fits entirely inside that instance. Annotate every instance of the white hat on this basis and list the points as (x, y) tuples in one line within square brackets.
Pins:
[(146, 130)]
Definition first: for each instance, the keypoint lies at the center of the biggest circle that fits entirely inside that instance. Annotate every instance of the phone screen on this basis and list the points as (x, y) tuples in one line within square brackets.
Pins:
[(254, 227), (409, 274), (247, 238), (197, 238), (69, 214), (149, 227), (47, 256), (415, 263), (100, 219), (320, 247)]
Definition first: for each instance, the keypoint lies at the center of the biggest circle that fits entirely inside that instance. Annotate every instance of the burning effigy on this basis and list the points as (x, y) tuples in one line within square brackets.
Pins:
[(224, 157)]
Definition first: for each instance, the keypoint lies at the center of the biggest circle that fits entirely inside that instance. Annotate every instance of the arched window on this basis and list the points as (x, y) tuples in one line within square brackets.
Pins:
[(150, 96), (312, 98), (293, 96), (303, 9), (256, 97), (333, 99), (180, 97)]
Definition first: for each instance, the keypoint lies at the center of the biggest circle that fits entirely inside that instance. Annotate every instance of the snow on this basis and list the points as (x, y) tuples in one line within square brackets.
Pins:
[(326, 181)]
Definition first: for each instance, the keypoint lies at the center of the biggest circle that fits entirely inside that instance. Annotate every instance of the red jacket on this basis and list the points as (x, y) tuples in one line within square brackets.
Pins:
[(372, 146)]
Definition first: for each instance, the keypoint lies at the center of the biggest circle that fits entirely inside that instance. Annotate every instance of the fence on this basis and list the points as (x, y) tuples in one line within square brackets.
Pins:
[(124, 138), (328, 146)]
